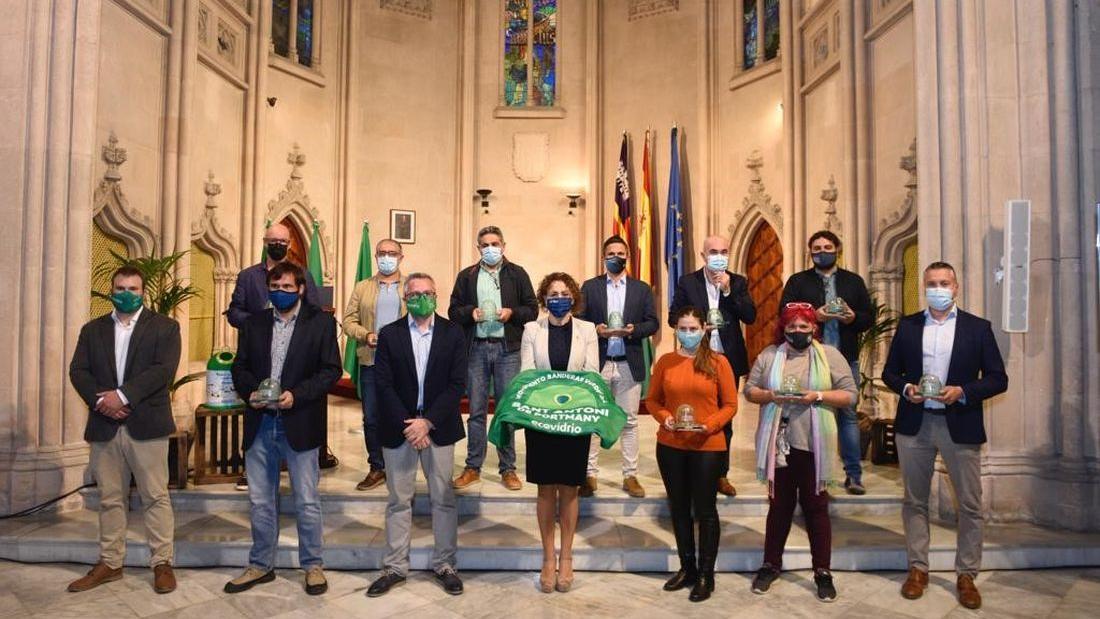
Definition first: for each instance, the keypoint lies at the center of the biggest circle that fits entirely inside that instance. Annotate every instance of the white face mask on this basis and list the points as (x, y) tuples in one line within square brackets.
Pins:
[(491, 255), (387, 264), (718, 262), (939, 299)]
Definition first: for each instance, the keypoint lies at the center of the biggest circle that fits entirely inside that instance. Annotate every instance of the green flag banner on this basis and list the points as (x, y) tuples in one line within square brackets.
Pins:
[(565, 403), (313, 262), (362, 271)]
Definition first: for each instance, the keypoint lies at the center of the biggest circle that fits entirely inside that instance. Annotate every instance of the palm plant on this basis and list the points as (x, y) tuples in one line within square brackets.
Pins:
[(884, 321)]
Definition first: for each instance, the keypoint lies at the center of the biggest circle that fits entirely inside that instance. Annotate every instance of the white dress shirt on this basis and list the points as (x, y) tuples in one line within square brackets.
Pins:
[(939, 340), (616, 302), (123, 333), (422, 348), (714, 294)]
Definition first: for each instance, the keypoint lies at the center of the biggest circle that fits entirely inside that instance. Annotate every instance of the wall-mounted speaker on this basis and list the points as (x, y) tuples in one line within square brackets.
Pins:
[(1017, 266)]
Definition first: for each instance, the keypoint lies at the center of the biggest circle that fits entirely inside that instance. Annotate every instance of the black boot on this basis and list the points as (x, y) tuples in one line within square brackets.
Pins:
[(686, 577), (684, 530), (702, 589)]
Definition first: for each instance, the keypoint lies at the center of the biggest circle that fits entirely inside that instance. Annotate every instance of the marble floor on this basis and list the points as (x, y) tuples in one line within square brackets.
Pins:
[(38, 591)]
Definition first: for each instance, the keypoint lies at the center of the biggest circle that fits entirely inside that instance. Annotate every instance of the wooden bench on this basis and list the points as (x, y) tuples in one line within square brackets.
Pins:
[(218, 435)]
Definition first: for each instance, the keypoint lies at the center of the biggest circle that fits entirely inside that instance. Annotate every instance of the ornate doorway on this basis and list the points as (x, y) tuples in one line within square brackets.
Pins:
[(299, 249), (764, 269)]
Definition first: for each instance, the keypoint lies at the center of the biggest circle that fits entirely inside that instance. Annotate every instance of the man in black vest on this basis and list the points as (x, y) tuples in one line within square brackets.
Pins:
[(718, 292), (293, 344), (820, 285), (491, 300)]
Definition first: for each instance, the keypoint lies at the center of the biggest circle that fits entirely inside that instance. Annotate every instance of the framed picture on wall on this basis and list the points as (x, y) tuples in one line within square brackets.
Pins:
[(403, 226)]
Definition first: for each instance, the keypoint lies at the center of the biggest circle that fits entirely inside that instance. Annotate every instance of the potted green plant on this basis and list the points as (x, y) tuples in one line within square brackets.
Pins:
[(884, 321)]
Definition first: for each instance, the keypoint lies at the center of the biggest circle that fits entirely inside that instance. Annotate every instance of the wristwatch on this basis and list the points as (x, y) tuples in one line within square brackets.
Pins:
[(819, 398)]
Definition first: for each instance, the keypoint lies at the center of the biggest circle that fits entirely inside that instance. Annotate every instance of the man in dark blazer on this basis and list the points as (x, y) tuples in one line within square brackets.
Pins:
[(715, 286), (957, 349), (420, 367), (819, 285), (294, 344), (122, 366), (622, 360), (493, 342)]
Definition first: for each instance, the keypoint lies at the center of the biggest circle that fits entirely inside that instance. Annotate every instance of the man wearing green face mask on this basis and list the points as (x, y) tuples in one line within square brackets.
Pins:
[(122, 366)]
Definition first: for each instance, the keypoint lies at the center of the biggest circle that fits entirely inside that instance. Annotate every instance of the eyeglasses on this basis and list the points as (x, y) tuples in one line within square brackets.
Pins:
[(798, 305), (416, 295)]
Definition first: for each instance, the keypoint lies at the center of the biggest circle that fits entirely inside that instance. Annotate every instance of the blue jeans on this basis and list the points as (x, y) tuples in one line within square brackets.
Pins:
[(488, 360), (370, 418), (847, 423), (262, 459)]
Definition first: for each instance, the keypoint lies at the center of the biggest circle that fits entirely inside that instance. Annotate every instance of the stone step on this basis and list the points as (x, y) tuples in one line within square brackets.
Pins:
[(608, 504), (627, 543)]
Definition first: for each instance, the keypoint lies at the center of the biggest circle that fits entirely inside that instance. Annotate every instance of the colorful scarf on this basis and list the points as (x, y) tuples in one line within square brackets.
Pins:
[(823, 433)]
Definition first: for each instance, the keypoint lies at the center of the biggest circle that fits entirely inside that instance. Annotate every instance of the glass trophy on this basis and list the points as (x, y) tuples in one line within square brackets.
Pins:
[(268, 392), (715, 318), (836, 306), (489, 311), (615, 321), (685, 420), (930, 386), (791, 386)]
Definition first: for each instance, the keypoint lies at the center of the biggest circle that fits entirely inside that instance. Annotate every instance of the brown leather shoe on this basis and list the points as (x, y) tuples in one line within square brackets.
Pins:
[(510, 480), (632, 487), (968, 593), (373, 479), (100, 574), (467, 477), (589, 487), (725, 487), (914, 585), (164, 581)]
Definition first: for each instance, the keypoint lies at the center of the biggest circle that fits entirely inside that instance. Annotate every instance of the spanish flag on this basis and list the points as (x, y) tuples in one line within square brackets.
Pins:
[(623, 224), (645, 222)]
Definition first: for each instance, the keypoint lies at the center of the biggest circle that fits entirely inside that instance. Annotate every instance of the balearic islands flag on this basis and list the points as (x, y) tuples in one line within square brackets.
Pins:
[(623, 216)]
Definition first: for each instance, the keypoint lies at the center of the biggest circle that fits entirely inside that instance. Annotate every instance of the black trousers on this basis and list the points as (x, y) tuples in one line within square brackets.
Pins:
[(691, 482)]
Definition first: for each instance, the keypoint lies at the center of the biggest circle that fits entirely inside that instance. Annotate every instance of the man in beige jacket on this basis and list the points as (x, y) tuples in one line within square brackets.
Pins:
[(375, 302)]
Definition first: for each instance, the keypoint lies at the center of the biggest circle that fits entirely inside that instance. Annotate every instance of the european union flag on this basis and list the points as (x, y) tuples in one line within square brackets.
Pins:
[(674, 222)]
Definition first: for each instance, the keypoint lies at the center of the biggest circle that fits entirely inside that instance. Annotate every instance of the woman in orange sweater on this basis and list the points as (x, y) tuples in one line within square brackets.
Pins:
[(690, 460)]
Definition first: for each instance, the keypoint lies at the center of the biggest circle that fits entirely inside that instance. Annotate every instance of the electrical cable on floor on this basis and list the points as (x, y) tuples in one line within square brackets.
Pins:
[(41, 506)]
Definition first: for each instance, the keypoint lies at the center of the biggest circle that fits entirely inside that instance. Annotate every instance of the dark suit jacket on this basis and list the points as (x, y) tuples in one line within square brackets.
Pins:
[(311, 368), (638, 310), (250, 294), (151, 362), (807, 286), (737, 307), (515, 293), (976, 366), (397, 385)]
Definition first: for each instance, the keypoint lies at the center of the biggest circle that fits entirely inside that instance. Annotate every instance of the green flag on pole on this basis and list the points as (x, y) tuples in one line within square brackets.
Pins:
[(263, 251), (362, 271), (313, 262)]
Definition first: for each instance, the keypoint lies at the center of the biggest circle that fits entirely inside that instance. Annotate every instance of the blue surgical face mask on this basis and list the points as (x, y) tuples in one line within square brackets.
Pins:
[(387, 264), (718, 262), (282, 300), (559, 306), (939, 299), (491, 255), (689, 340)]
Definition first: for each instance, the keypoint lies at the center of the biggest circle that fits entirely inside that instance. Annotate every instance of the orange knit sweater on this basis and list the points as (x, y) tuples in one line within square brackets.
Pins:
[(675, 382)]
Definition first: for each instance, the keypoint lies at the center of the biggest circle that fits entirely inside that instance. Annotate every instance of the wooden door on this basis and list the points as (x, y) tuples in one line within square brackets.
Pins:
[(298, 251), (764, 269)]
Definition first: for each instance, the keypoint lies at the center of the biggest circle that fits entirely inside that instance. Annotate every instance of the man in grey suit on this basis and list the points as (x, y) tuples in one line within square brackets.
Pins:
[(622, 360), (122, 366)]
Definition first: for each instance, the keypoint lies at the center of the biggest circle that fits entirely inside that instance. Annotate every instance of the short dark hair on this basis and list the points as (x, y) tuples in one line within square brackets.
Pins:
[(415, 276), (824, 234), (127, 270), (613, 239), (287, 267), (490, 230), (939, 264)]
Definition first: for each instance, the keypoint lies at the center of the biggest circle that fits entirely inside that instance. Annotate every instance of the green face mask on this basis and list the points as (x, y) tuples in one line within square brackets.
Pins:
[(421, 305), (126, 302)]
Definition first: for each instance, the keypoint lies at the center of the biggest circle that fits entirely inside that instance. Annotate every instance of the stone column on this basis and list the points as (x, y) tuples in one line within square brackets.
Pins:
[(997, 84), (42, 452)]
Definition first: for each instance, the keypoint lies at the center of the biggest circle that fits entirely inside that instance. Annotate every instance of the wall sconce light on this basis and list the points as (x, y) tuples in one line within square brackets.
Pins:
[(484, 193), (573, 198)]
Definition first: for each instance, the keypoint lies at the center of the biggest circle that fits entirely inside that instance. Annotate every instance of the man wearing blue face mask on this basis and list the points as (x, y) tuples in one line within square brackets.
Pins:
[(823, 285), (622, 361), (945, 363), (492, 300), (375, 302), (724, 298)]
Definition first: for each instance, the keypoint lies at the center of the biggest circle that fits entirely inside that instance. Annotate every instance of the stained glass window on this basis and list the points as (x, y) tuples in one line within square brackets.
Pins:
[(530, 52), (515, 52), (280, 26), (751, 33), (771, 29), (305, 32)]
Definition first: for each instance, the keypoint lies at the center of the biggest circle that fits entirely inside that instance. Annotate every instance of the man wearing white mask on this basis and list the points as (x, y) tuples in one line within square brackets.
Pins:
[(723, 297), (492, 300), (945, 363), (375, 302)]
